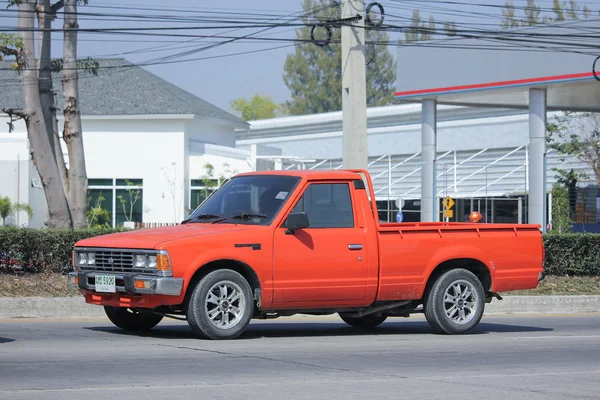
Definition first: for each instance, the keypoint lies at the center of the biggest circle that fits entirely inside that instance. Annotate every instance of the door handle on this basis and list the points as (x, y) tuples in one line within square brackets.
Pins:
[(355, 246)]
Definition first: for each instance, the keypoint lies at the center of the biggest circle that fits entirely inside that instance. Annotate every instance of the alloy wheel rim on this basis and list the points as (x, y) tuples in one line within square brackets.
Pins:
[(460, 302), (224, 304)]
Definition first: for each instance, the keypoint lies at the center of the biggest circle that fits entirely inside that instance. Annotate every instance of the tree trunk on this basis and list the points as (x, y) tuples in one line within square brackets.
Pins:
[(41, 150), (45, 17), (72, 131)]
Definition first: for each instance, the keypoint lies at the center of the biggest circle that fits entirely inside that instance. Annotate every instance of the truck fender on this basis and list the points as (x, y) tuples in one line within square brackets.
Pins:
[(458, 253)]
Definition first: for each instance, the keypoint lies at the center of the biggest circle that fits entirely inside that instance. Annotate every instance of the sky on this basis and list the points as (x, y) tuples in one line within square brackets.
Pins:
[(222, 79)]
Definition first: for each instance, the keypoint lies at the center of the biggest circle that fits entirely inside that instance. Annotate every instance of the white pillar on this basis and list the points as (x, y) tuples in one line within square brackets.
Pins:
[(428, 156), (354, 91), (253, 154), (537, 158)]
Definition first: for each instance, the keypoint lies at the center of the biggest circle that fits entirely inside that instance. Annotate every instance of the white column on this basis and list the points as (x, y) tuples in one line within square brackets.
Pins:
[(537, 158), (428, 154), (354, 92)]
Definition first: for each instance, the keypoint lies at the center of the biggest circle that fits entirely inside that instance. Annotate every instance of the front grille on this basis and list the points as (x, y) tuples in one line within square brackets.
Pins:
[(116, 261)]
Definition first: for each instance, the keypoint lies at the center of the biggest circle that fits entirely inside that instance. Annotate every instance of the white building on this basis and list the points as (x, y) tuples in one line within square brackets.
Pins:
[(481, 163), (137, 128)]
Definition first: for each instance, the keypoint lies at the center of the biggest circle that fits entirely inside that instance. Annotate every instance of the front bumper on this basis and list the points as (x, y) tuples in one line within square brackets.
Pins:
[(126, 283)]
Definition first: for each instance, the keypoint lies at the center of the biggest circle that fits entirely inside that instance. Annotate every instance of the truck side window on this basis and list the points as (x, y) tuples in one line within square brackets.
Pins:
[(328, 205)]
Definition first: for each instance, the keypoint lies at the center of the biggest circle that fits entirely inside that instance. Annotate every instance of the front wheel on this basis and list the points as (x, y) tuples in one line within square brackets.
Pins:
[(221, 305), (455, 302), (132, 320), (365, 322)]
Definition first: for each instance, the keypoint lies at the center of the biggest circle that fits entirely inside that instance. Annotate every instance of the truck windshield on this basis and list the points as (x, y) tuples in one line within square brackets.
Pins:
[(249, 199)]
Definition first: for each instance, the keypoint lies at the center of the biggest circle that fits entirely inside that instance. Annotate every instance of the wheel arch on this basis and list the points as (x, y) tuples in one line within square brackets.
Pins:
[(235, 265), (477, 267)]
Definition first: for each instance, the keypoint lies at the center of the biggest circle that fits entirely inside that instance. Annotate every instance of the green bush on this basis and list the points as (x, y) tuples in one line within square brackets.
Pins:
[(49, 250), (40, 250), (572, 254)]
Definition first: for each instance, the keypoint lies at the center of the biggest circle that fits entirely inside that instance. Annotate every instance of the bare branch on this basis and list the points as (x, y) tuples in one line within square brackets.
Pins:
[(57, 6), (16, 112), (9, 51)]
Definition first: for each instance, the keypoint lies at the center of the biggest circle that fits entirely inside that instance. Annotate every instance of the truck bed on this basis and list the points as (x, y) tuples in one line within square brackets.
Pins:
[(409, 252)]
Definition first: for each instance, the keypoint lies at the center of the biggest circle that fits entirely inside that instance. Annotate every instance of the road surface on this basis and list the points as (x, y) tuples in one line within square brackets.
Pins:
[(508, 357)]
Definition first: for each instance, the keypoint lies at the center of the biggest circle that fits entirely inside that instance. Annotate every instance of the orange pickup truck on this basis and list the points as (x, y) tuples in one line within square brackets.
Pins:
[(272, 244)]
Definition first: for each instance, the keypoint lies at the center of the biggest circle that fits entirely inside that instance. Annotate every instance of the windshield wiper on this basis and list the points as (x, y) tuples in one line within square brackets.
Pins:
[(200, 217), (243, 215)]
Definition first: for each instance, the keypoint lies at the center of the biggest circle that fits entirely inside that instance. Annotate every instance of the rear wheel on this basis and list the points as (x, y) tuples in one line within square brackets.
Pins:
[(221, 305), (131, 319), (455, 302), (365, 322)]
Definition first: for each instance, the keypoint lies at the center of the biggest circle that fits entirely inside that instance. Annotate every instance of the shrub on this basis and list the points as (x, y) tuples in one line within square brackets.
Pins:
[(40, 250), (572, 254), (49, 250)]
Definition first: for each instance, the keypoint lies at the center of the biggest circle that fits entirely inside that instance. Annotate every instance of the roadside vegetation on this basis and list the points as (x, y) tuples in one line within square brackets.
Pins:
[(34, 262)]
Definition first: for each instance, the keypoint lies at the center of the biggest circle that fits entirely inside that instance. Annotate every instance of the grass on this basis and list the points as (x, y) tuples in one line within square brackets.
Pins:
[(35, 285), (562, 285), (55, 285)]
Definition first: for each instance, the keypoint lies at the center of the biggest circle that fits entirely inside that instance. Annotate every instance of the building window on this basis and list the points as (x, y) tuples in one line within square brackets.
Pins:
[(200, 189), (112, 202)]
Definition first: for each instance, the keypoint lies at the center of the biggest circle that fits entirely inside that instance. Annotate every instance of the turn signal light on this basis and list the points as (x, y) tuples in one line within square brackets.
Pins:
[(162, 262), (141, 284)]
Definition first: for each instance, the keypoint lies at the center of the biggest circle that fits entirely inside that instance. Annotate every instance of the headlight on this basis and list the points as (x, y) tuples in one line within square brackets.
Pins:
[(91, 258), (83, 258), (141, 261), (151, 261)]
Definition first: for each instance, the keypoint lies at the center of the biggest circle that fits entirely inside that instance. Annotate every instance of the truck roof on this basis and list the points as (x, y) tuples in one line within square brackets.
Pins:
[(310, 174)]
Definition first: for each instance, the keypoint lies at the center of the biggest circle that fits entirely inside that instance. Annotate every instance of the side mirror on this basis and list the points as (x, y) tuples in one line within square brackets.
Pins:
[(296, 221)]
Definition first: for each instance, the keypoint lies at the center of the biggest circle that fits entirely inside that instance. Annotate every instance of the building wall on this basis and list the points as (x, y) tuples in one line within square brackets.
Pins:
[(152, 150), (14, 169), (165, 152), (481, 152)]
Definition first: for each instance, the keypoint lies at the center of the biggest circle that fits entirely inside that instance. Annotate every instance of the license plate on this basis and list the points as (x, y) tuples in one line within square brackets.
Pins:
[(105, 284)]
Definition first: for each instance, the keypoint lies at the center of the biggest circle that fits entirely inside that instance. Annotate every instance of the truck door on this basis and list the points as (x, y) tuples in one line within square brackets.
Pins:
[(326, 261)]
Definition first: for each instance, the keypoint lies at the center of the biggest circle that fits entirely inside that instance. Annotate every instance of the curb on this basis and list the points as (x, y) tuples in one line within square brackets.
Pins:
[(543, 305), (76, 308)]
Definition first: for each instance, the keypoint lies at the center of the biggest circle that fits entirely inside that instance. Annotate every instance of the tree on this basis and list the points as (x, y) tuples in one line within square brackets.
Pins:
[(450, 28), (72, 132), (8, 208), (258, 107), (314, 74), (39, 111), (41, 149), (508, 13), (532, 13), (420, 30), (562, 12), (561, 222), (558, 11), (98, 216), (577, 135), (128, 202)]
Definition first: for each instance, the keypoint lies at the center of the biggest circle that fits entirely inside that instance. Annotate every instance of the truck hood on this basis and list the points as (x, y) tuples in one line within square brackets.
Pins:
[(153, 238)]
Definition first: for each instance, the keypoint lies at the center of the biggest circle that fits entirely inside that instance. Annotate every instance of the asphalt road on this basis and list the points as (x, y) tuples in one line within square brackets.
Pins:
[(508, 357)]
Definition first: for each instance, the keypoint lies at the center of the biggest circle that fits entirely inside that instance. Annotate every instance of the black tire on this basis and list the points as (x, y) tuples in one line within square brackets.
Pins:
[(460, 313), (221, 325), (132, 320), (365, 322)]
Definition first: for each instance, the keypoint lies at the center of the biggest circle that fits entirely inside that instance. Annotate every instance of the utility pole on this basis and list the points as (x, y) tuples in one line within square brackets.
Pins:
[(354, 91)]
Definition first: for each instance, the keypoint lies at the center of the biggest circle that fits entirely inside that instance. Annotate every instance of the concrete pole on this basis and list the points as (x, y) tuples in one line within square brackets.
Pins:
[(354, 92), (537, 158), (428, 156)]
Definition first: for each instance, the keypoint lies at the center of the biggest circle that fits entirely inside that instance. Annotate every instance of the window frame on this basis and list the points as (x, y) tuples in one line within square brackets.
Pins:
[(113, 188), (355, 222)]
